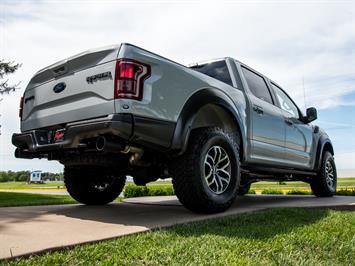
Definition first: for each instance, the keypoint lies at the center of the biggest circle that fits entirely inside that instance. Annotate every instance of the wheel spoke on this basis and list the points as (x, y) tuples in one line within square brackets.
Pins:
[(219, 184), (209, 183), (330, 175), (224, 160), (226, 180), (224, 172), (210, 158)]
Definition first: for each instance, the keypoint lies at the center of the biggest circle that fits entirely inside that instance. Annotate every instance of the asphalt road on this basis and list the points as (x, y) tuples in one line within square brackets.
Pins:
[(26, 230)]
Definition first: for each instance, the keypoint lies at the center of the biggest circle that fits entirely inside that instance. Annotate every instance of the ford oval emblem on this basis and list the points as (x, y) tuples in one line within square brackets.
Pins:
[(59, 87)]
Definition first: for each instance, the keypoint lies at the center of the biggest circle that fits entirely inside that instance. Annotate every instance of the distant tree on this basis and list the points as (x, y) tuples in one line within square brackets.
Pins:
[(7, 68), (23, 176), (46, 176)]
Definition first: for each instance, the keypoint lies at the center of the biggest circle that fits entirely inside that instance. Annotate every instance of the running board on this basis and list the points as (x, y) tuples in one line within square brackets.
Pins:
[(271, 170)]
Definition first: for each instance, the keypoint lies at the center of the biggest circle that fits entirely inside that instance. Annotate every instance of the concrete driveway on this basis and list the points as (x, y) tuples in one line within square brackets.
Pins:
[(25, 230)]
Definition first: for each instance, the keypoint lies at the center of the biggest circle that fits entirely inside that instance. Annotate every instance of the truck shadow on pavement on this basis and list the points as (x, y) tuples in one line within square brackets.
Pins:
[(169, 212), (165, 211)]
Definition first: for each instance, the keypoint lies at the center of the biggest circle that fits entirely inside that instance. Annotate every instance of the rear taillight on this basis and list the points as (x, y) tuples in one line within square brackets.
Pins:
[(129, 79), (21, 108)]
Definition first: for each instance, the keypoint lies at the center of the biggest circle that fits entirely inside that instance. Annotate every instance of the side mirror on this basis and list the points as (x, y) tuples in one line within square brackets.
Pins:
[(311, 114)]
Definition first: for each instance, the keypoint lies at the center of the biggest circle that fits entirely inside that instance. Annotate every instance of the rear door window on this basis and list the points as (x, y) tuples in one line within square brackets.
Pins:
[(217, 70), (257, 85)]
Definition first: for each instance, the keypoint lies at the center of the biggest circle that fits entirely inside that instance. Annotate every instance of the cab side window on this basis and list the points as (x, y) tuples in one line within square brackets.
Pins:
[(217, 70), (285, 102), (257, 85)]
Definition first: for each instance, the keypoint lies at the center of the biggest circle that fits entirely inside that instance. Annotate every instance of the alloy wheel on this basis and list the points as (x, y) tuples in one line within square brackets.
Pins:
[(217, 169)]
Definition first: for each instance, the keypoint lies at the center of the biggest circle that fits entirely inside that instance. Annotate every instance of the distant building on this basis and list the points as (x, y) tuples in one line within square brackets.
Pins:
[(36, 177)]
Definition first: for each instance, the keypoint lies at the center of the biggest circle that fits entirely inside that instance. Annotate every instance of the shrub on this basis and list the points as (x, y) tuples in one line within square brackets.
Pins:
[(161, 191), (251, 191), (272, 192), (298, 192), (132, 191)]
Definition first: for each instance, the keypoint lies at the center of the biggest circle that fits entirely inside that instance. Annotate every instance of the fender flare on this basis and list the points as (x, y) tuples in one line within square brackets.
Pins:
[(322, 142), (189, 112)]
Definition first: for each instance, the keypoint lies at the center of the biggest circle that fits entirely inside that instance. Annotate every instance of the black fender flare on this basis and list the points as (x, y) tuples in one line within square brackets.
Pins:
[(322, 143), (190, 110)]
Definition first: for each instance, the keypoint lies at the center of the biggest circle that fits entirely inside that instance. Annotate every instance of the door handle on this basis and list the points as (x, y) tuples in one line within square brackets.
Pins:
[(259, 110), (288, 122)]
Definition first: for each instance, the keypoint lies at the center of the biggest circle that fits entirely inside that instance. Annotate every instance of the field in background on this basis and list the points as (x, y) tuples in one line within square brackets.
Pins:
[(348, 182), (19, 193), (10, 199), (343, 183), (25, 185)]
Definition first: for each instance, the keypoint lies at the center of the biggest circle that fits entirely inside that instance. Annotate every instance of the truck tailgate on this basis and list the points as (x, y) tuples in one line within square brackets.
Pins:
[(78, 88)]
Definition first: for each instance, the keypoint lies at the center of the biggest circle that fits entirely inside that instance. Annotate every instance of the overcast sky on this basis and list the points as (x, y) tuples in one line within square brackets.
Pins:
[(288, 41)]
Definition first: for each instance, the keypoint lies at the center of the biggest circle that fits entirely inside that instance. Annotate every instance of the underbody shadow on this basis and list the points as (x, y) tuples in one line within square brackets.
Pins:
[(168, 212)]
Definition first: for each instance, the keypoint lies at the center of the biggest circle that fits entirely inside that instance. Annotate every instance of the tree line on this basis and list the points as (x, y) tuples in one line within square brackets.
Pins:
[(7, 68), (24, 176)]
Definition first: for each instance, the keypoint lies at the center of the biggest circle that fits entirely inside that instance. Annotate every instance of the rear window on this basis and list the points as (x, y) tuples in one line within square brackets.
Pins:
[(217, 70), (257, 85)]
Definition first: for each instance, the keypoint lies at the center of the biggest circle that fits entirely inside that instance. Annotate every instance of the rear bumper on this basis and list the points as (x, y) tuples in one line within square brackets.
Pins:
[(142, 131)]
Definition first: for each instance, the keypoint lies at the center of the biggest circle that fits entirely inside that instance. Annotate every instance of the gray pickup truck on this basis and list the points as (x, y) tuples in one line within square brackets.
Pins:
[(214, 128)]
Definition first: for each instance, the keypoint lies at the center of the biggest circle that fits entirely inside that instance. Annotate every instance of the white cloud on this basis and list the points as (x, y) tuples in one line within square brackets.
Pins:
[(286, 41)]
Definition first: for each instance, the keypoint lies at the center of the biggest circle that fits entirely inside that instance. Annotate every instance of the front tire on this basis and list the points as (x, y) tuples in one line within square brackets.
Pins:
[(325, 183), (92, 185), (206, 177)]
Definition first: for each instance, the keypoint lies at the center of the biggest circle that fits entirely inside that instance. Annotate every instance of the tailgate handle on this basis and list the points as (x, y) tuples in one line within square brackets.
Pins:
[(60, 70), (29, 99)]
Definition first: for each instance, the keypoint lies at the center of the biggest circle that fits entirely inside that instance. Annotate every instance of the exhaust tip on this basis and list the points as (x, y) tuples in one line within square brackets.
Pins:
[(100, 143)]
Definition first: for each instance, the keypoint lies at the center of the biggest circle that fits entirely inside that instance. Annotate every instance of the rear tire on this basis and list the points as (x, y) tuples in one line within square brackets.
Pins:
[(206, 177), (325, 183), (92, 185)]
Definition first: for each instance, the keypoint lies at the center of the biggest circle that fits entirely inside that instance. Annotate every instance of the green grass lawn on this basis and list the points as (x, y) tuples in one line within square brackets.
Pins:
[(25, 185), (11, 199), (8, 199), (273, 237)]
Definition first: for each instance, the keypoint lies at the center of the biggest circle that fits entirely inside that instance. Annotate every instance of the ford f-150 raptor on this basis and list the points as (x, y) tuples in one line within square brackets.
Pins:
[(214, 128)]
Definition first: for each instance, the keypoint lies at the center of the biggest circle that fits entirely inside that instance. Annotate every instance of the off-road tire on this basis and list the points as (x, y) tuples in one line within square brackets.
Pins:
[(243, 189), (319, 185), (92, 185), (188, 171)]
